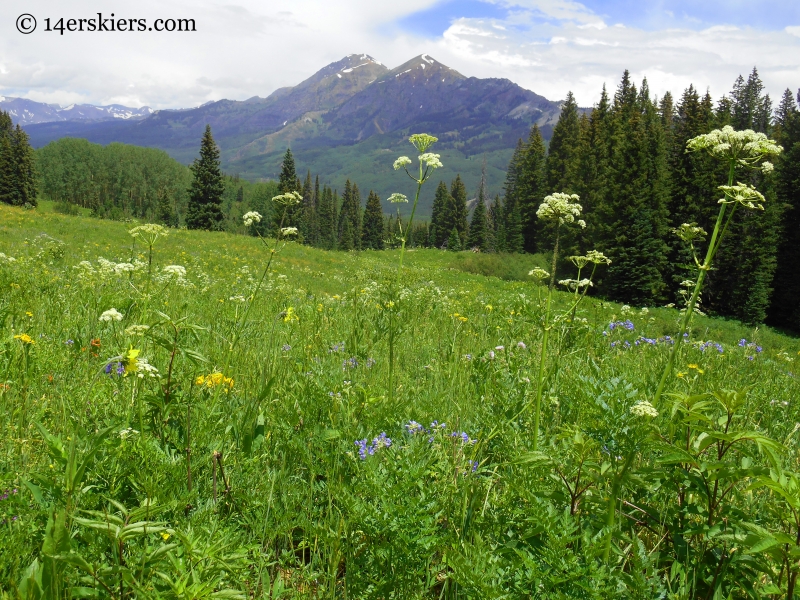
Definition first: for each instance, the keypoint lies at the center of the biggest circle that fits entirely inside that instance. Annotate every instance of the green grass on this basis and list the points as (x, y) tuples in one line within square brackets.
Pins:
[(297, 512)]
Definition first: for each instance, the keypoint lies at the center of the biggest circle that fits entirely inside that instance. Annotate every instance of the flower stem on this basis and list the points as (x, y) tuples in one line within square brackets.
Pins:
[(713, 246), (537, 407)]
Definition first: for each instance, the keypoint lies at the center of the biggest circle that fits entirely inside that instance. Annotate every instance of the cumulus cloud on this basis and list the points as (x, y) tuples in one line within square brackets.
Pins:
[(574, 53)]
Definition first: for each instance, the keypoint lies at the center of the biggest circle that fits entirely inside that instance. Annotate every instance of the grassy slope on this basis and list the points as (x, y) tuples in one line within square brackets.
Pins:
[(310, 401)]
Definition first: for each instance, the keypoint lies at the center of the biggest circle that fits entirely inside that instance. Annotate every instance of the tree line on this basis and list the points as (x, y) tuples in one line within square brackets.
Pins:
[(17, 166), (627, 161)]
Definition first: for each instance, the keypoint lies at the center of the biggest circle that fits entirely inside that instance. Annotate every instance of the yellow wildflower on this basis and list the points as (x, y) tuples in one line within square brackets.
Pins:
[(214, 379), (24, 338), (130, 361), (289, 316)]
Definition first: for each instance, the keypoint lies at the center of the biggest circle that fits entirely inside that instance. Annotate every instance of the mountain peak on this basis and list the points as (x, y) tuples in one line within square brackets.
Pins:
[(426, 67)]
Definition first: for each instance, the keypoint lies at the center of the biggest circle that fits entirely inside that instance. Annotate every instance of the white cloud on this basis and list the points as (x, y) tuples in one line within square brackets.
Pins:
[(567, 57), (240, 49), (252, 47)]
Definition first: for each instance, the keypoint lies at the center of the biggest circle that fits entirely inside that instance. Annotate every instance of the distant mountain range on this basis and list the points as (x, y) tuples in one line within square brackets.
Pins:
[(348, 120), (28, 112)]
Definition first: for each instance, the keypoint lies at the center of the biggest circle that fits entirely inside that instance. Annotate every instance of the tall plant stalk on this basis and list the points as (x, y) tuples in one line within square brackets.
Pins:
[(746, 149), (427, 163)]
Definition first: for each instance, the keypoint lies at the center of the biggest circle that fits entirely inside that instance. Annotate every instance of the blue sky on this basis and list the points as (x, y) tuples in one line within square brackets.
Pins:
[(644, 14)]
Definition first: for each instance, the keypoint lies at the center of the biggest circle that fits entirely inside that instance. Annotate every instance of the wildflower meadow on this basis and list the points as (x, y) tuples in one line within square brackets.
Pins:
[(191, 414)]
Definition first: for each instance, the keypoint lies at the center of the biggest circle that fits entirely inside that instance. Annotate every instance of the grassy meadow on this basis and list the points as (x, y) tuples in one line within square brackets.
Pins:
[(214, 437)]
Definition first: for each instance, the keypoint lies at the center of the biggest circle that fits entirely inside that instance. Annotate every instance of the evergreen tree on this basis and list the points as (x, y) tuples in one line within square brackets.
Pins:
[(497, 226), (23, 161), (166, 213), (563, 157), (7, 182), (240, 194), (350, 213), (326, 220), (308, 218), (693, 180), (458, 207), (204, 210), (478, 234), (17, 165), (531, 187), (512, 219), (346, 241), (288, 182), (372, 235), (785, 303), (440, 218), (454, 240), (631, 219), (741, 283)]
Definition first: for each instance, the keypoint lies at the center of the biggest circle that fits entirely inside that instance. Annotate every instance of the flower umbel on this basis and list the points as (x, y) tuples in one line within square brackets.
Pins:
[(561, 207), (397, 198), (644, 409), (743, 193), (251, 217), (422, 141), (112, 314)]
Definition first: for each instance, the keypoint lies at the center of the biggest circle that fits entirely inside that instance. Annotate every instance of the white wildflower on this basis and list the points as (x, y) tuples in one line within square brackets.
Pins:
[(745, 194), (430, 160), (598, 258), (401, 162), (238, 298), (561, 207), (136, 329), (126, 432), (746, 148), (625, 310), (251, 217), (149, 232), (176, 270), (538, 273), (287, 231), (112, 314), (422, 141), (288, 198), (644, 409), (397, 198), (145, 369), (6, 259), (123, 267)]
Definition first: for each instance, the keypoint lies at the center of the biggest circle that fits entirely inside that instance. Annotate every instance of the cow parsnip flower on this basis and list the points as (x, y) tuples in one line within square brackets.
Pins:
[(575, 284), (744, 194), (597, 258), (422, 141), (539, 273), (251, 217), (690, 232), (176, 270), (401, 162), (288, 199), (397, 198), (644, 409), (561, 207), (149, 232), (430, 160), (288, 231), (746, 148), (112, 314)]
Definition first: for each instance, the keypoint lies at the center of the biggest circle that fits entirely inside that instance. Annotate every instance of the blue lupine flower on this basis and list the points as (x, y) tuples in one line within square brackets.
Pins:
[(286, 347), (742, 342), (414, 427)]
